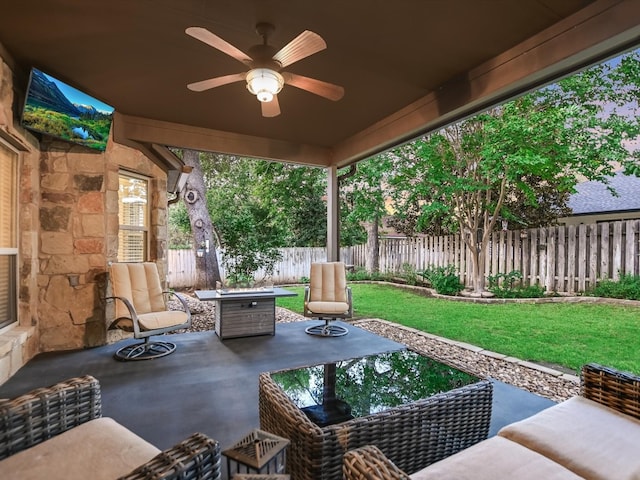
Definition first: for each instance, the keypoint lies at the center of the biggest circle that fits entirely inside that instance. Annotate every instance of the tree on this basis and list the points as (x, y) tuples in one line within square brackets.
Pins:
[(366, 193), (249, 231), (204, 238), (471, 171)]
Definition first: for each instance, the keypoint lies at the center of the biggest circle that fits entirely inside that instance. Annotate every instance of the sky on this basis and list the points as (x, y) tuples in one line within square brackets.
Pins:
[(76, 96)]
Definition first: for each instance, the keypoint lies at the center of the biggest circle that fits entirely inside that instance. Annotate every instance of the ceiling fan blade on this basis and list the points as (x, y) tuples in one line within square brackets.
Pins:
[(318, 87), (215, 41), (305, 44), (272, 108), (216, 82)]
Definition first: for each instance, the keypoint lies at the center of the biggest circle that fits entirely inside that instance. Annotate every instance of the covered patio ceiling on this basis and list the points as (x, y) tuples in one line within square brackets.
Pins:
[(407, 67)]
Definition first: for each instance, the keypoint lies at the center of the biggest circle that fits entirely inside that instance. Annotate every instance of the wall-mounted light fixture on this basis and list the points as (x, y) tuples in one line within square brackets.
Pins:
[(182, 179)]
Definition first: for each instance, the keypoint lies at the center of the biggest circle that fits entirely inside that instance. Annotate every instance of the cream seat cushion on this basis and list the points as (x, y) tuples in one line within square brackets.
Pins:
[(96, 450), (495, 459), (328, 307), (168, 318), (585, 437)]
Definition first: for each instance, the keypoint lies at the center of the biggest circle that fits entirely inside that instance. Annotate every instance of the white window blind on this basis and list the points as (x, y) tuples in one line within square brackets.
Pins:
[(7, 198), (8, 237), (133, 211)]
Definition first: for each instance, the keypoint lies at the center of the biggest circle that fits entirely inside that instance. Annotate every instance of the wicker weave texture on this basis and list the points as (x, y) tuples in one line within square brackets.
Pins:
[(196, 458), (368, 462), (412, 436), (260, 476), (32, 418), (612, 388)]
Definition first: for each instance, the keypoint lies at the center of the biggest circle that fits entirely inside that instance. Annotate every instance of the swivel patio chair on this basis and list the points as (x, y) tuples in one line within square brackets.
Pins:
[(328, 298), (141, 308)]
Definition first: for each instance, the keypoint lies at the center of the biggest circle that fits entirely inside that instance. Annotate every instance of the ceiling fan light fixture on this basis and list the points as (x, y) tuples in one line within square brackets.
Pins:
[(264, 83)]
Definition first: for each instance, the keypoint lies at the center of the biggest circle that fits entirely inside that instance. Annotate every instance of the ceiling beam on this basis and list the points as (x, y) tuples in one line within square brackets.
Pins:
[(128, 128)]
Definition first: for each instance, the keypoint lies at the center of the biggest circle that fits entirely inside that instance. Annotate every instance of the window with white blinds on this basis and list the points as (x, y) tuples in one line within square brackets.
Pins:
[(8, 236), (133, 210)]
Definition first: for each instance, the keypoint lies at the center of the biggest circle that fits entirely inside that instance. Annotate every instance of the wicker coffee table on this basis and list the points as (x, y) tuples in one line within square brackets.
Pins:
[(414, 409)]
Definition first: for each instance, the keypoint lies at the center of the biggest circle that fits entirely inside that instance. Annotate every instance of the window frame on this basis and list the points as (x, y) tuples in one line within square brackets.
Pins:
[(144, 229), (13, 253)]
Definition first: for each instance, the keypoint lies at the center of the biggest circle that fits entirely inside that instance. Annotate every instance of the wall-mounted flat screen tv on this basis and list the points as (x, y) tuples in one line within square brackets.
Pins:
[(54, 108)]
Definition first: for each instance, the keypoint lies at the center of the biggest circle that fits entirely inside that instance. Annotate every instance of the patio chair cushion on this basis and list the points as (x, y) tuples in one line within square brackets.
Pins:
[(99, 449), (493, 459), (140, 283), (153, 320), (328, 283), (168, 318), (583, 436), (328, 307)]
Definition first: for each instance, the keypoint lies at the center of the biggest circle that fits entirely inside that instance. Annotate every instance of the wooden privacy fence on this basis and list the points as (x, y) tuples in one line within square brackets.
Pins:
[(562, 258), (293, 267)]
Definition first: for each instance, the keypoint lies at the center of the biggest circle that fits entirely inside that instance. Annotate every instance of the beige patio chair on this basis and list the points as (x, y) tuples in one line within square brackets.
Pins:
[(141, 308), (328, 298)]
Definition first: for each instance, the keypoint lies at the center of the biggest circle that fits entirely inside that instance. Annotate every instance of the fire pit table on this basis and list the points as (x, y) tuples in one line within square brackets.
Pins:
[(244, 312)]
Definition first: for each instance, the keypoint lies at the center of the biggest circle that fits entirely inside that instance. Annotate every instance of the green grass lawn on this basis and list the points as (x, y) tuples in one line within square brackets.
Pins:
[(558, 334)]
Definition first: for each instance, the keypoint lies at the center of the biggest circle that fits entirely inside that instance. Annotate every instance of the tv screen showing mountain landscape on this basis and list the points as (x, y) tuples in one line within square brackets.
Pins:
[(54, 108)]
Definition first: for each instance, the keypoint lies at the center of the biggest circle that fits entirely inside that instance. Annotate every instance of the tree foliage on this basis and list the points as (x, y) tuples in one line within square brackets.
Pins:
[(296, 195)]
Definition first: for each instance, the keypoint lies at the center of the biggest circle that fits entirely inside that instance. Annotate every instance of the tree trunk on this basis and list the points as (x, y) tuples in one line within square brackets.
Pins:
[(194, 196), (372, 261), (478, 270), (477, 253)]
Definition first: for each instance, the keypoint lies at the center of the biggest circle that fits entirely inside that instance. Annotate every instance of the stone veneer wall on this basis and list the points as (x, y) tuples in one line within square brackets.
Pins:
[(20, 342), (68, 232), (79, 235)]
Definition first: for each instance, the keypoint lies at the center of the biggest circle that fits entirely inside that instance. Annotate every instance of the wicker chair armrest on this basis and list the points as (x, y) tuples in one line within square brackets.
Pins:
[(612, 388), (260, 476), (196, 458), (43, 413), (369, 463)]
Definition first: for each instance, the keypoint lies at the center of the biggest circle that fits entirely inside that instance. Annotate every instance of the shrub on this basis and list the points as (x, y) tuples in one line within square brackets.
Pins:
[(444, 280), (627, 287), (408, 274), (509, 285), (361, 274)]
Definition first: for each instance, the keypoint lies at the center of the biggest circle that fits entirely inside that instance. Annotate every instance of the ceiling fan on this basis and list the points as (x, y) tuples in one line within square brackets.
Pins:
[(265, 77)]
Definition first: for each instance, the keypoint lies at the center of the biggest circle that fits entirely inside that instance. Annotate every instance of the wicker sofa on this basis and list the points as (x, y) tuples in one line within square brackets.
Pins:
[(59, 433), (593, 436), (413, 435)]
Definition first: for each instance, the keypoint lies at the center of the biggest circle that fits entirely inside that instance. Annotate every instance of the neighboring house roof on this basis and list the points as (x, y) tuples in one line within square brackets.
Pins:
[(594, 197)]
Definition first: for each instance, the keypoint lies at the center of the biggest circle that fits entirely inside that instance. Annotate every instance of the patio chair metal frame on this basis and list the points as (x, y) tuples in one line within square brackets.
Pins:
[(340, 295), (146, 349)]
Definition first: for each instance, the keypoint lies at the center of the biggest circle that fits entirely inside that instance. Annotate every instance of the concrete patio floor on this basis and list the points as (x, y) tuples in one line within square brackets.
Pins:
[(211, 386)]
